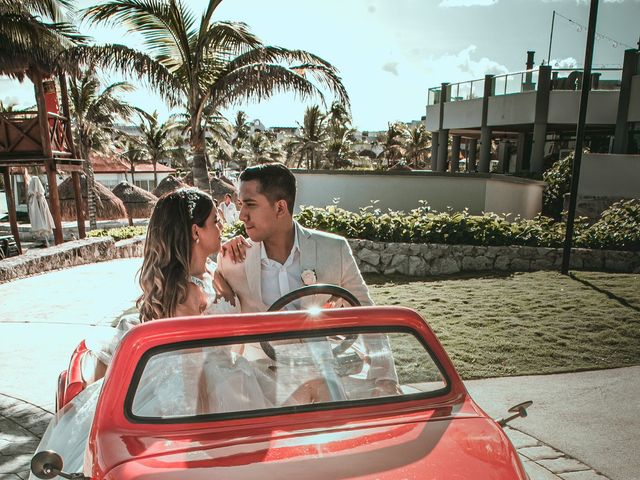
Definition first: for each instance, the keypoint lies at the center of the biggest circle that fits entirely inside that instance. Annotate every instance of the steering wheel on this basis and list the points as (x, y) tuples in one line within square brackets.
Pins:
[(317, 289)]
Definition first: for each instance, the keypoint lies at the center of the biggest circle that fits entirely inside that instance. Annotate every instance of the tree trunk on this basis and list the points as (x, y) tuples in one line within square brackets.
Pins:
[(91, 188), (199, 166), (155, 174)]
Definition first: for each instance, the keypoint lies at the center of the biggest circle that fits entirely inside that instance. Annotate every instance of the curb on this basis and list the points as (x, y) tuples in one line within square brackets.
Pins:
[(69, 254)]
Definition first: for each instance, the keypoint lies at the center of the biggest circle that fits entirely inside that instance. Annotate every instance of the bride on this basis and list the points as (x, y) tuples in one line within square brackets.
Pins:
[(177, 279)]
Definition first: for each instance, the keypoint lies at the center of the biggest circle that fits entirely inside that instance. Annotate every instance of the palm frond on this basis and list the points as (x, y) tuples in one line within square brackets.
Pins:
[(129, 61), (259, 82)]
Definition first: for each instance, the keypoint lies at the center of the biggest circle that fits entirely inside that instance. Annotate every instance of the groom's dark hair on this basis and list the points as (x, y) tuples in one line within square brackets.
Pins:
[(276, 182)]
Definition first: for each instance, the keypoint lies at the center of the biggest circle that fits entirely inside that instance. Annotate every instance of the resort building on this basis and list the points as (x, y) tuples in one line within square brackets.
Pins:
[(526, 120)]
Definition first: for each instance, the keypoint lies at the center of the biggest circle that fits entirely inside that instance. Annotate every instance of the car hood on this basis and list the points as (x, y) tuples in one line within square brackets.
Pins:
[(453, 448)]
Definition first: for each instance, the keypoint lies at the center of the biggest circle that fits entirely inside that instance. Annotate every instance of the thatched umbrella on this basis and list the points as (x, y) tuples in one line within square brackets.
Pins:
[(219, 188), (168, 184), (138, 202), (108, 206)]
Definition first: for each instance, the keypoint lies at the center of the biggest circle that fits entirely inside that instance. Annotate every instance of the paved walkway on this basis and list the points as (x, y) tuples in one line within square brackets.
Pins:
[(582, 426)]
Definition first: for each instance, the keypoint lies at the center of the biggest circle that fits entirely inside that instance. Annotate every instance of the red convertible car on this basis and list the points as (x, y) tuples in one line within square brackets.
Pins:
[(286, 395)]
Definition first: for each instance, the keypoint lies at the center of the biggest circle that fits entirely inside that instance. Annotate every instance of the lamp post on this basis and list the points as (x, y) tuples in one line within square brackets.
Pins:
[(582, 117)]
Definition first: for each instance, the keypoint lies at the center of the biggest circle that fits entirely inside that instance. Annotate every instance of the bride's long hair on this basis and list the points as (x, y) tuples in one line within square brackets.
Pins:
[(165, 271)]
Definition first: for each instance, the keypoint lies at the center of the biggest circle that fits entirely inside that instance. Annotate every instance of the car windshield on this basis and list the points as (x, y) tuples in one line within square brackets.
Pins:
[(277, 374)]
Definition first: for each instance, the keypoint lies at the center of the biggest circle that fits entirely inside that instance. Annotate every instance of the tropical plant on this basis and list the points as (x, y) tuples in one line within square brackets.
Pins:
[(558, 183), (393, 141), (205, 64), (155, 140), (130, 152), (94, 113), (257, 148), (309, 144), (32, 34), (417, 144)]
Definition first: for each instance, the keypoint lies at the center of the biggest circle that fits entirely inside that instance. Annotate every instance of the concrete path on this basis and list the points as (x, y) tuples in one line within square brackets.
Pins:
[(582, 426)]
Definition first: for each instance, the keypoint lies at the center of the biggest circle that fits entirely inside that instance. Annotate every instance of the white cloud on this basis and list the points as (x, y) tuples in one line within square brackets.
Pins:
[(467, 3), (568, 62), (391, 67), (458, 65)]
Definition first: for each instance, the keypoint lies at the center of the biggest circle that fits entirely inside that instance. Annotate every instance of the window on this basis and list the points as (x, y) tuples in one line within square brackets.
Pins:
[(282, 373)]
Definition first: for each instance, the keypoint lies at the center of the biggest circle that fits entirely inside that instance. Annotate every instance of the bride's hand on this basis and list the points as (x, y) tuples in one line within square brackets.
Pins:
[(236, 248), (223, 289)]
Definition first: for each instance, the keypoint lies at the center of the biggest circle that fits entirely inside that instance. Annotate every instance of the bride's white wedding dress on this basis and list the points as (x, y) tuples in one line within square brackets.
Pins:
[(68, 432)]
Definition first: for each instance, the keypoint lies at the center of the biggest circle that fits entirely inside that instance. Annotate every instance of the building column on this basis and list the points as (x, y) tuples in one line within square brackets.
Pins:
[(455, 154), (520, 155), (434, 150), (485, 130), (472, 155), (485, 149), (443, 150), (629, 69), (540, 122)]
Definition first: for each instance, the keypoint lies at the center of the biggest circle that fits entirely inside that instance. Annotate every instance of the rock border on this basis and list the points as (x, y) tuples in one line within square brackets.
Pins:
[(419, 260), (411, 259), (69, 254)]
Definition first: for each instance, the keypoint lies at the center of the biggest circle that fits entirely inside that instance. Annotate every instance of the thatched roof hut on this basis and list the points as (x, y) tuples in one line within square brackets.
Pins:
[(219, 188), (168, 184), (138, 202), (108, 206)]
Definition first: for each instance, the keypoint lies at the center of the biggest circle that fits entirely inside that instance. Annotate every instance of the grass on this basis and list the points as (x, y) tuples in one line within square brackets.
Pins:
[(525, 323)]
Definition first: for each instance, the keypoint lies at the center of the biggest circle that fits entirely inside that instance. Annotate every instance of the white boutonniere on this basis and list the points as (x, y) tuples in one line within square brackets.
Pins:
[(309, 277)]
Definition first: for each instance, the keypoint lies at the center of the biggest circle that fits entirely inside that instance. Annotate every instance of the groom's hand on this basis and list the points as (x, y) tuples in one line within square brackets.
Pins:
[(235, 248)]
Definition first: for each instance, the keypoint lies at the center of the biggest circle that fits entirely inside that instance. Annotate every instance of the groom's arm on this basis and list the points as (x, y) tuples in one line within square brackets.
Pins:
[(351, 277)]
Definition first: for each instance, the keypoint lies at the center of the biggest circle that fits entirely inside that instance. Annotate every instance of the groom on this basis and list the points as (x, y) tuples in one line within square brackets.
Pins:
[(281, 250)]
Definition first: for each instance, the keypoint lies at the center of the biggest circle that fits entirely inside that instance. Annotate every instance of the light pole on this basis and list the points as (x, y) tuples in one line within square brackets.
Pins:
[(553, 21), (582, 117)]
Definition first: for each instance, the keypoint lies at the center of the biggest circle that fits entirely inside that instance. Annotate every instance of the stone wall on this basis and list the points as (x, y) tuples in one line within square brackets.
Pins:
[(411, 259), (418, 260), (69, 254)]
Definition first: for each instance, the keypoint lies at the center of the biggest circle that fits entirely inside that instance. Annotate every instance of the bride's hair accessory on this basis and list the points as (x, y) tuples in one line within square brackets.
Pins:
[(309, 277)]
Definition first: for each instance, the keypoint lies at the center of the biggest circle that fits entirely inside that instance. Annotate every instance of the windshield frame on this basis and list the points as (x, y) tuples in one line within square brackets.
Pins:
[(280, 410)]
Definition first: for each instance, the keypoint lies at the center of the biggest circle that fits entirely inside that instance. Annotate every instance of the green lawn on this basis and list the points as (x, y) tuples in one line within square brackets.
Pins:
[(525, 323)]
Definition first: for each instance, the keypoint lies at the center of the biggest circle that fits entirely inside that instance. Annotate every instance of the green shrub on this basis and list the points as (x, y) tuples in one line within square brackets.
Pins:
[(558, 179), (118, 234), (617, 229)]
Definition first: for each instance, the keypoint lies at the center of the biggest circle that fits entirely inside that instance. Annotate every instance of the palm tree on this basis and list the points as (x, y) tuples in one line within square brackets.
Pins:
[(205, 64), (417, 144), (310, 143), (393, 142), (340, 152), (94, 113), (32, 34), (155, 140), (130, 152)]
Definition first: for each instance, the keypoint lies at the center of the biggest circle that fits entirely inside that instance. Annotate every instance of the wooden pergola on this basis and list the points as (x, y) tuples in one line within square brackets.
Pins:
[(41, 139)]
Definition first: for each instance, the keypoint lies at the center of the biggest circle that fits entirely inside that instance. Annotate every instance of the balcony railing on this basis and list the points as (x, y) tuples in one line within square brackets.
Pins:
[(20, 135), (527, 81)]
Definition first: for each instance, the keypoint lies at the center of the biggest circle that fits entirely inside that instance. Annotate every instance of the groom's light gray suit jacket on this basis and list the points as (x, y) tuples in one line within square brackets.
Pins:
[(327, 254)]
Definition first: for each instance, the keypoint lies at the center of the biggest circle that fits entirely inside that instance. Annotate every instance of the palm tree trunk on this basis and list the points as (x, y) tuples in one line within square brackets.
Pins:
[(155, 174), (199, 166), (91, 187)]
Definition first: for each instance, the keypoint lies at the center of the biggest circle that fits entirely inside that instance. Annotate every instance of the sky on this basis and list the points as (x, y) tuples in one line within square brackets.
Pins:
[(390, 52)]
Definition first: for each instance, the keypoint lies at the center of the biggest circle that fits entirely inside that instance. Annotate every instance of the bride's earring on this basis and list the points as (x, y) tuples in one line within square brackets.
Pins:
[(197, 239)]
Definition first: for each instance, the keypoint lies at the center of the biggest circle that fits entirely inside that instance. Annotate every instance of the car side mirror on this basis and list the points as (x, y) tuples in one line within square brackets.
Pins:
[(519, 410), (48, 464)]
